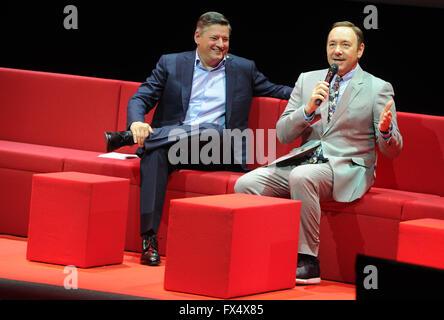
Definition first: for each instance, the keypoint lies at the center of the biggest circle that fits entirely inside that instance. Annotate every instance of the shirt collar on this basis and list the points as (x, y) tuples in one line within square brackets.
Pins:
[(346, 77), (197, 63)]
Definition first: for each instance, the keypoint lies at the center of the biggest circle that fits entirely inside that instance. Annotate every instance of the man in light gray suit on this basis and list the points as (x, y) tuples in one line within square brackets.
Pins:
[(337, 157)]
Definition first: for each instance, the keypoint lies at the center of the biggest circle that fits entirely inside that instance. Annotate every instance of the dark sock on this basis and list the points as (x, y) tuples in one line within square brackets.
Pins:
[(147, 234), (307, 257)]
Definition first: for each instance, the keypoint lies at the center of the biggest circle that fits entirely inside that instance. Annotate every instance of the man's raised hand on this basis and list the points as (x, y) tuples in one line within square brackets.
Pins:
[(385, 118)]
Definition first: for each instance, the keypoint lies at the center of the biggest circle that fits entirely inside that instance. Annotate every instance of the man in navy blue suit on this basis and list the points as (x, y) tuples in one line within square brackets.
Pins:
[(208, 88)]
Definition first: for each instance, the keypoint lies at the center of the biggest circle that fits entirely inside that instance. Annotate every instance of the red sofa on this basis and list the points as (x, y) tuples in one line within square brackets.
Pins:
[(54, 122)]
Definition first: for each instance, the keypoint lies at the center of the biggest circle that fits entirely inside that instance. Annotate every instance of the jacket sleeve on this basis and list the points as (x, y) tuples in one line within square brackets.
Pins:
[(292, 123), (148, 94), (391, 147), (262, 87)]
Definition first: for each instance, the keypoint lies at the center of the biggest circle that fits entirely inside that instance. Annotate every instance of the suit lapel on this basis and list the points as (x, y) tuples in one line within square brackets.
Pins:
[(230, 84), (185, 67), (324, 114), (350, 93)]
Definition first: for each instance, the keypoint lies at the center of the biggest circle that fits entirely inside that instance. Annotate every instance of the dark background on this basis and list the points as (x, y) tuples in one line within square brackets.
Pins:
[(124, 39)]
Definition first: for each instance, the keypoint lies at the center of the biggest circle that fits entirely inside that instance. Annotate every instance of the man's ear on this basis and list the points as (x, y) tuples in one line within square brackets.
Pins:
[(197, 37), (361, 50)]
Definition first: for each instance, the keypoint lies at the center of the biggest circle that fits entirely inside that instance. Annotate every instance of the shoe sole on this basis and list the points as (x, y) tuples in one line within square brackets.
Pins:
[(108, 146), (150, 262), (144, 262), (308, 281)]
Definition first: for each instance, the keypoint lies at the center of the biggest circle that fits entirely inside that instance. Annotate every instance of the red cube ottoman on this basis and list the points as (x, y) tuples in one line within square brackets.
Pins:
[(77, 219), (421, 242), (232, 245)]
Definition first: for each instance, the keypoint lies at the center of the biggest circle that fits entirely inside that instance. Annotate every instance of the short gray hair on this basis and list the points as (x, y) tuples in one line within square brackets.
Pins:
[(357, 30), (210, 18)]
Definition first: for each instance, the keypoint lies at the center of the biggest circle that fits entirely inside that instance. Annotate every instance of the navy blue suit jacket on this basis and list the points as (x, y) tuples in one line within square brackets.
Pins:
[(170, 85)]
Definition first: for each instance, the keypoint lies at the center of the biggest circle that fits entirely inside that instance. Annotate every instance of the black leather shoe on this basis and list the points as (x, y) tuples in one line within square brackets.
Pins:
[(116, 140), (308, 271), (150, 254)]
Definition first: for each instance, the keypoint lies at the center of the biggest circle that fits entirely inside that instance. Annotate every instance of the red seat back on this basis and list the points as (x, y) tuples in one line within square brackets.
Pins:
[(56, 109), (420, 165)]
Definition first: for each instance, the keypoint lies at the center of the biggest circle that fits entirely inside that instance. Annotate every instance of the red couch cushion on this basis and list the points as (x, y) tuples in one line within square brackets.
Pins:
[(378, 202), (37, 158), (420, 165), (31, 157), (424, 208), (57, 110), (89, 162)]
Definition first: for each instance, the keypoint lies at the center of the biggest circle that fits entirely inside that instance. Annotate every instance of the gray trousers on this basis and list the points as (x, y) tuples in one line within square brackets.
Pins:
[(310, 183)]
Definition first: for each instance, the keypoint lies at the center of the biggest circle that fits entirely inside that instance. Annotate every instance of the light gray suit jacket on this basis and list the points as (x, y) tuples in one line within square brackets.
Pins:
[(349, 140)]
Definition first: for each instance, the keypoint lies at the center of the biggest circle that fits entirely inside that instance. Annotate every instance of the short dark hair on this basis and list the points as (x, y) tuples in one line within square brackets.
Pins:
[(210, 18), (349, 24)]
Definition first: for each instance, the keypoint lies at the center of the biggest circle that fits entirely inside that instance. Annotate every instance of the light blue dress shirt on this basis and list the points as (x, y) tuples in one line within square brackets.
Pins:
[(207, 100), (344, 82)]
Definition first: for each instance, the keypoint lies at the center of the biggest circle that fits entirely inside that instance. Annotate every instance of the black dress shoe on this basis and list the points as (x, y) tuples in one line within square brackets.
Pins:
[(150, 254), (116, 140), (308, 271)]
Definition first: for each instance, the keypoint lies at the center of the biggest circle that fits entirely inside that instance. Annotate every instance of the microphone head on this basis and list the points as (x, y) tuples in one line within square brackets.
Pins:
[(331, 72)]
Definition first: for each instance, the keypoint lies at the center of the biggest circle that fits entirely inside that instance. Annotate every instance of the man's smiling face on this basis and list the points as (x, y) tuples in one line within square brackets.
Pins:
[(343, 49), (212, 44)]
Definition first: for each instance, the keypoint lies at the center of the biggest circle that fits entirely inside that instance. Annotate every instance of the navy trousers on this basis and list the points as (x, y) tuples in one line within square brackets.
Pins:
[(155, 167)]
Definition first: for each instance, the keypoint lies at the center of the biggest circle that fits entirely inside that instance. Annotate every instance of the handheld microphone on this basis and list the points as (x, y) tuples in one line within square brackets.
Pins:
[(331, 73)]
